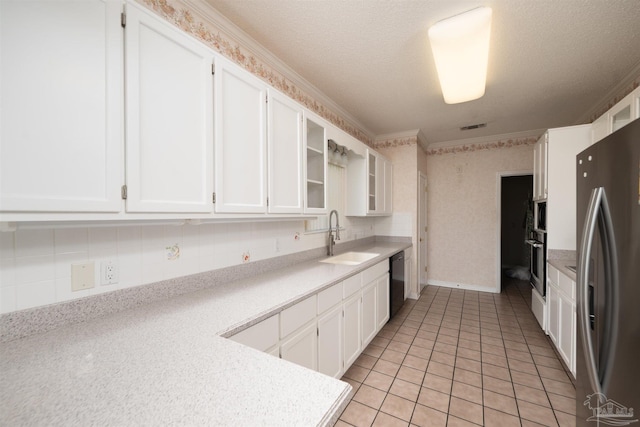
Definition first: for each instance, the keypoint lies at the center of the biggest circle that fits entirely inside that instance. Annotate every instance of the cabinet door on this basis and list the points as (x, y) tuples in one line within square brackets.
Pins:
[(544, 177), (567, 330), (369, 308), (61, 138), (621, 114), (169, 117), (315, 138), (372, 192), (352, 330), (285, 154), (536, 171), (382, 295), (330, 352), (302, 347), (554, 313), (240, 148)]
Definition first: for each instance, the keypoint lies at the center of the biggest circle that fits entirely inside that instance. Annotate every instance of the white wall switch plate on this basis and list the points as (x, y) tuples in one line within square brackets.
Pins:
[(82, 276), (108, 273)]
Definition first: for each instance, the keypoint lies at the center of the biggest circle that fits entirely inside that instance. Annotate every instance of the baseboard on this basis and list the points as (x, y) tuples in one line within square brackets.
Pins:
[(462, 286)]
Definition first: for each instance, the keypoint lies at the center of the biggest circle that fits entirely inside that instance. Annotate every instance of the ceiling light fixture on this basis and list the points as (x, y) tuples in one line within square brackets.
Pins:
[(460, 46)]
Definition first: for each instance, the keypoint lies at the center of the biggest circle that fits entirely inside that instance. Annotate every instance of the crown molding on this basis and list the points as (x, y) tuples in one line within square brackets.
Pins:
[(212, 16), (613, 96)]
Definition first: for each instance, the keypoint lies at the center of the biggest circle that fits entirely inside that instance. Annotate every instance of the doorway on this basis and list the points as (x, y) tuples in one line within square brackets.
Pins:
[(516, 223), (422, 232)]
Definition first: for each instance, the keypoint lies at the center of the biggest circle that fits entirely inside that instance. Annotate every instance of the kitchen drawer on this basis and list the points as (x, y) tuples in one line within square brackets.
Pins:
[(376, 271), (329, 297), (552, 273), (297, 315), (352, 285), (261, 336), (567, 286)]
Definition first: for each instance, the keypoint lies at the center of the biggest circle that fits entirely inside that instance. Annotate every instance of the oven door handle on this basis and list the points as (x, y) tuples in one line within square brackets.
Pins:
[(534, 243)]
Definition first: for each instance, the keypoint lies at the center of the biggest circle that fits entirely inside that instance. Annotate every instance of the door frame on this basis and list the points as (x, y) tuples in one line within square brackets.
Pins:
[(498, 288), (422, 224)]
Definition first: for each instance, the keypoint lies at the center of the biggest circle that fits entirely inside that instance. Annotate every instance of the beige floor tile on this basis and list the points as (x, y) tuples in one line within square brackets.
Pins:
[(445, 348), (373, 350), (421, 352), (472, 345), (434, 399), (500, 402), (553, 373), (536, 413), (494, 341), (447, 339), (380, 381), (398, 346), (468, 377), (393, 356), (398, 407), (407, 330), (496, 371), (370, 396), (427, 335), (466, 410), (544, 350), (493, 349), (423, 342), (437, 382), (386, 334), (357, 373), (528, 368), (565, 420), (459, 422), (411, 375), (549, 361), (493, 418), (385, 420), (490, 333), (498, 386), (428, 417), (380, 341), (355, 385), (405, 389), (495, 359), (562, 403), (523, 356), (365, 361), (524, 378), (341, 423), (415, 362), (532, 395), (386, 367), (469, 354), (464, 335), (407, 339), (469, 365), (440, 369), (514, 345), (467, 392), (449, 331), (358, 415), (447, 359), (559, 387)]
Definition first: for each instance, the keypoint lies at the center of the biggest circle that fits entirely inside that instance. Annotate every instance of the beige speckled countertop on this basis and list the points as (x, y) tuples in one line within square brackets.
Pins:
[(560, 259), (167, 363)]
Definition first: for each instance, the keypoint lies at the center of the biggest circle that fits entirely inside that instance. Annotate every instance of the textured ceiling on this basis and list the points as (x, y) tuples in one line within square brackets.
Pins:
[(551, 61)]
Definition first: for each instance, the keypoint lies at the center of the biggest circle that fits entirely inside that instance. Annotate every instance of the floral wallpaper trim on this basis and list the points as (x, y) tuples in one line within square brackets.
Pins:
[(604, 108), (396, 142), (469, 148), (181, 16)]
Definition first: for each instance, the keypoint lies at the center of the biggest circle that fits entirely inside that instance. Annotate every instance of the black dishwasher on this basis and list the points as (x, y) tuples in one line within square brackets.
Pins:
[(396, 284)]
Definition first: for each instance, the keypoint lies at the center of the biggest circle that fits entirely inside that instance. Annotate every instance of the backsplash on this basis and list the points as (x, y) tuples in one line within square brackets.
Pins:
[(35, 265)]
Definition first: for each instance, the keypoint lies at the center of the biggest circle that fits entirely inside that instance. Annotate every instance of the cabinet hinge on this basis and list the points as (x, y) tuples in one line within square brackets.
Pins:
[(213, 69), (123, 19), (214, 198), (123, 192)]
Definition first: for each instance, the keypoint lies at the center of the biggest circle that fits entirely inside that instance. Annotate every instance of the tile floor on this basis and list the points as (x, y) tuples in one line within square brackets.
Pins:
[(461, 358)]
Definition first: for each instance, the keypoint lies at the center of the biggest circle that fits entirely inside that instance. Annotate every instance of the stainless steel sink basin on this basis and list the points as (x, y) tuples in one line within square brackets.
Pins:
[(351, 258)]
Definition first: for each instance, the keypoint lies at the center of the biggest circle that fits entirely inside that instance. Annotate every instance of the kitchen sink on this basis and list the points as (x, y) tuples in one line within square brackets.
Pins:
[(351, 258)]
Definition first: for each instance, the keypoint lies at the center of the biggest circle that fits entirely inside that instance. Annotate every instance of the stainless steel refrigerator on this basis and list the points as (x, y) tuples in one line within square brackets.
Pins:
[(608, 281)]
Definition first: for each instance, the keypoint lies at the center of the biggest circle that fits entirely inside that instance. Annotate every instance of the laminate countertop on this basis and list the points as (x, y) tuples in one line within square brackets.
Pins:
[(168, 363)]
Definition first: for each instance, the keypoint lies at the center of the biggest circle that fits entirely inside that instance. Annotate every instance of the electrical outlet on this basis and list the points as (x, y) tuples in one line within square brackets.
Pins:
[(108, 273), (82, 276)]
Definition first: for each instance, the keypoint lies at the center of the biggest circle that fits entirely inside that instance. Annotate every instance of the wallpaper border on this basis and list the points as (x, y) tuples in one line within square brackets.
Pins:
[(472, 147)]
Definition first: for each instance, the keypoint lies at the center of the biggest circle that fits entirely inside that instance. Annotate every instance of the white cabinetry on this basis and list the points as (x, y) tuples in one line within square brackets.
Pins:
[(352, 329), (61, 138), (369, 185), (369, 308), (285, 154), (562, 315), (302, 347), (540, 182), (563, 146), (330, 342), (618, 116), (315, 170), (240, 149), (169, 128), (382, 295)]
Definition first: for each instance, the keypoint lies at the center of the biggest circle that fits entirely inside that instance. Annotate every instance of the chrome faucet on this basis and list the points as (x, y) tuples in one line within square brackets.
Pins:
[(332, 240)]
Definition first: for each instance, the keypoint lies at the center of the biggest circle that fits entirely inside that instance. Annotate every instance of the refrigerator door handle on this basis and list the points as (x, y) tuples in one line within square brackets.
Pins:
[(583, 286), (598, 204)]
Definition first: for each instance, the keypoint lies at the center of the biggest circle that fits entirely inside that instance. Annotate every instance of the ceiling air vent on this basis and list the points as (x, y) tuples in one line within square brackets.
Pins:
[(477, 126)]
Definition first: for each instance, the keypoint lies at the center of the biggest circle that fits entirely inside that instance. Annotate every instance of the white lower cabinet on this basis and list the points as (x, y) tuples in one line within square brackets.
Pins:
[(352, 329), (330, 350), (369, 308), (327, 331), (302, 347), (562, 315)]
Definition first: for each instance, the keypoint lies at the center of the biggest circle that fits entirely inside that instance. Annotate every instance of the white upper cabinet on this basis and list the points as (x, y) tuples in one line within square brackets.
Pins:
[(315, 170), (369, 185), (540, 178), (241, 145), (618, 116), (61, 115), (285, 154), (169, 130)]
